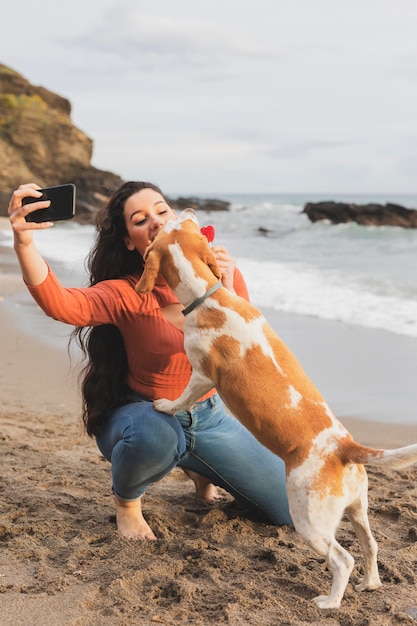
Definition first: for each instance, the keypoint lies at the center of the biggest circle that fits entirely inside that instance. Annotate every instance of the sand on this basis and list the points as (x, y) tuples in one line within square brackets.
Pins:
[(62, 561)]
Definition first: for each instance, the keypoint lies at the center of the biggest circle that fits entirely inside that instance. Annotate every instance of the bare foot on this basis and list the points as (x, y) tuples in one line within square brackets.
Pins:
[(204, 489), (130, 521)]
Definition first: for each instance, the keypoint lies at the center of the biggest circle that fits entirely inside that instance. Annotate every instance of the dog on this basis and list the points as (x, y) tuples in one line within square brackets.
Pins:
[(232, 347)]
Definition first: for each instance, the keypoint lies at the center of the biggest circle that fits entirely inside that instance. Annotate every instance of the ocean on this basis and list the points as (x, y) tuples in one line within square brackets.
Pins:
[(354, 274)]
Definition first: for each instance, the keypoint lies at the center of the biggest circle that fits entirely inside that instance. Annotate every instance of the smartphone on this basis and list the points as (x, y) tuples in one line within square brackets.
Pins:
[(62, 205)]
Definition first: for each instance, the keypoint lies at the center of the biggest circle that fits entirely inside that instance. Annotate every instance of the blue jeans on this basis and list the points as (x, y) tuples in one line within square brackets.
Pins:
[(144, 445)]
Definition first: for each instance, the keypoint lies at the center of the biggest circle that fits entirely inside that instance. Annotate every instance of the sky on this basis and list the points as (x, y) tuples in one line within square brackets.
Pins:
[(232, 96)]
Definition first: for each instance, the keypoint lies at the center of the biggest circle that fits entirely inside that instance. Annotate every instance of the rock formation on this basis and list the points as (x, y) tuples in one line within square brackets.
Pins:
[(366, 214), (208, 204), (39, 143)]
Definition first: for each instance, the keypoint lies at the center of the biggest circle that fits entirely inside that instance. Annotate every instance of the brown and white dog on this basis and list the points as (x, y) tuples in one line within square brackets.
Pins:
[(231, 347)]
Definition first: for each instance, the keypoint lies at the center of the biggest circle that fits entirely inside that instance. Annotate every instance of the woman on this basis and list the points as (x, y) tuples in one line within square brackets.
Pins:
[(135, 353)]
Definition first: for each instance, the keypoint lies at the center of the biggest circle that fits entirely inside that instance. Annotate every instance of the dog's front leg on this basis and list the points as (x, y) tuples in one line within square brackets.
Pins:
[(197, 386)]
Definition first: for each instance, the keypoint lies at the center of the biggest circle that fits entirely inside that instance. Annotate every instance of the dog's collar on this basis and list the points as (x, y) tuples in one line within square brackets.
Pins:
[(201, 299)]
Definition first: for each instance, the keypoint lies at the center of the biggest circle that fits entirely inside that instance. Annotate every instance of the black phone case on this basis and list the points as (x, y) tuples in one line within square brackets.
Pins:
[(62, 205)]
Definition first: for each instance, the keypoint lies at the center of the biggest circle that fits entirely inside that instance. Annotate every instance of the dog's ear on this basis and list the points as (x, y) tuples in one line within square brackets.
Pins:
[(150, 272)]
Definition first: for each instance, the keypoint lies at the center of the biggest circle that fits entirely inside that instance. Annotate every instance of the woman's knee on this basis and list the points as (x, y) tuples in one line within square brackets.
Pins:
[(155, 437), (142, 432)]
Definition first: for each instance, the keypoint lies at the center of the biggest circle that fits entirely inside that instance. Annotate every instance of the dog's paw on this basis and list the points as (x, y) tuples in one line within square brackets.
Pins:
[(326, 602), (164, 406), (368, 585)]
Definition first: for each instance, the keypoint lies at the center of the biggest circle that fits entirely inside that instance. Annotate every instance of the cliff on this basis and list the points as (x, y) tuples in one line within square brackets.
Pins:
[(39, 143)]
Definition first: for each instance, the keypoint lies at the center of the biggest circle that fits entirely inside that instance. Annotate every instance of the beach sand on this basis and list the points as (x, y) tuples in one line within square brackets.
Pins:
[(62, 561)]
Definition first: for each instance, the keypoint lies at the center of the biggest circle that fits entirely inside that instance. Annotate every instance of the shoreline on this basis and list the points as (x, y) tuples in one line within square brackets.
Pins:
[(41, 377), (362, 373)]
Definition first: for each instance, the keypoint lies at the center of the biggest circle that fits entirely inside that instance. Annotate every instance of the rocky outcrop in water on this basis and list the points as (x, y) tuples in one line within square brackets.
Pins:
[(366, 214), (206, 204)]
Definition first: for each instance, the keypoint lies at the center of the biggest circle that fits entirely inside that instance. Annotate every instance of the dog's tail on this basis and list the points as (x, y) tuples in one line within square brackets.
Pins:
[(353, 452)]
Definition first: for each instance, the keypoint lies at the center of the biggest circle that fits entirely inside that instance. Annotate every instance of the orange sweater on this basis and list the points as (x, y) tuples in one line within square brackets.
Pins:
[(157, 364)]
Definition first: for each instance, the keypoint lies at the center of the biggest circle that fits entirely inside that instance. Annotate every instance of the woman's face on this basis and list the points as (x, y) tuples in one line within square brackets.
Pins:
[(145, 213)]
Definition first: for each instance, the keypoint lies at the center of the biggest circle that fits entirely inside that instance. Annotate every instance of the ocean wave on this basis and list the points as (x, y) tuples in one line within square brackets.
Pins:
[(328, 295), (351, 274)]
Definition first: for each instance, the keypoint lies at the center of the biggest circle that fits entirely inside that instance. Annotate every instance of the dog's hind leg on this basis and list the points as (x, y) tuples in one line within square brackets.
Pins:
[(340, 563), (316, 519), (357, 514)]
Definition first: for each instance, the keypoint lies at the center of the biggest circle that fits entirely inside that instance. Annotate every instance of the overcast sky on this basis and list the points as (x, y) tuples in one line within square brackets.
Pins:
[(217, 96)]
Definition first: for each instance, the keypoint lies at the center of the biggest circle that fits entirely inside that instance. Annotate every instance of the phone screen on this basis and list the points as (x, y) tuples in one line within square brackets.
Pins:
[(62, 205)]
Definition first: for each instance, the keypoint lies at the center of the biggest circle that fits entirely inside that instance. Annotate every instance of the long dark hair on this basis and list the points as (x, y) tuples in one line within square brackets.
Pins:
[(103, 379)]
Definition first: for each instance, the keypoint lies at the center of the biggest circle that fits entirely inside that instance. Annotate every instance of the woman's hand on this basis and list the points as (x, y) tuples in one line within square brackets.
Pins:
[(22, 229), (226, 266), (34, 269)]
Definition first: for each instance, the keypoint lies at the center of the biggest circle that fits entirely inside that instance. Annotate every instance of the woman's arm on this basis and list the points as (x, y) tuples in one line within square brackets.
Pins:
[(66, 305), (33, 267)]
